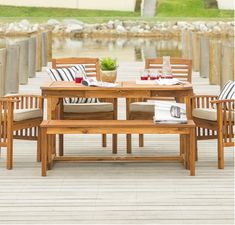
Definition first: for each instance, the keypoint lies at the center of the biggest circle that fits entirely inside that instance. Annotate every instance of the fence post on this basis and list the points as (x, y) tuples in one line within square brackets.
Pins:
[(214, 62), (38, 52), (204, 56), (32, 57), (196, 51), (12, 69), (3, 54), (49, 46), (186, 45), (44, 49), (227, 63), (24, 61)]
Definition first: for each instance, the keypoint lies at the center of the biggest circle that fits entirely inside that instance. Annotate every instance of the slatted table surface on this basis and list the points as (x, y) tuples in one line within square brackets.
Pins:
[(117, 193)]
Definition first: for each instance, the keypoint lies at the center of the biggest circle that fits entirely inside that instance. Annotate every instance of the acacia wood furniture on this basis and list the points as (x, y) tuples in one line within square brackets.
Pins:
[(57, 90), (53, 127), (92, 69), (214, 119), (20, 117), (181, 69)]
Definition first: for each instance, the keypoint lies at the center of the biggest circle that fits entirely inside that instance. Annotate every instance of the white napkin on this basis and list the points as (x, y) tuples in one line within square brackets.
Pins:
[(172, 81)]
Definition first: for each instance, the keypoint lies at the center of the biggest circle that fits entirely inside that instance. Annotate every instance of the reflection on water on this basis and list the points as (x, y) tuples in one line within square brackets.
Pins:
[(124, 49)]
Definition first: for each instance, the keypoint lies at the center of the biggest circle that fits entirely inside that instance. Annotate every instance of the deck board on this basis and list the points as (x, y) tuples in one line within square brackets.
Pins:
[(117, 193)]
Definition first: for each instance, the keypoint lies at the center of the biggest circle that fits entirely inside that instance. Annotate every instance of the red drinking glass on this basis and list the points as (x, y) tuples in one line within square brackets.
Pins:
[(78, 80)]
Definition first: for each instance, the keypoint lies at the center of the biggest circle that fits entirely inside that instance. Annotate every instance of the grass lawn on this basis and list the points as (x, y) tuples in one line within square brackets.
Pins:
[(166, 10)]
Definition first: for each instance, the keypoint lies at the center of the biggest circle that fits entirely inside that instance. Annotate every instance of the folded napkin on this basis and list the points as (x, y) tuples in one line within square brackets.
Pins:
[(172, 81)]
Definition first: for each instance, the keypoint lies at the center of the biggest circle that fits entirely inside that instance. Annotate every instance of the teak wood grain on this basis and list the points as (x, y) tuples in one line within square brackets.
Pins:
[(54, 127)]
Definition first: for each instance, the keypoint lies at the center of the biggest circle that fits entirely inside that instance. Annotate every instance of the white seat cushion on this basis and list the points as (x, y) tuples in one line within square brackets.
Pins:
[(207, 114), (142, 107), (88, 107), (26, 114)]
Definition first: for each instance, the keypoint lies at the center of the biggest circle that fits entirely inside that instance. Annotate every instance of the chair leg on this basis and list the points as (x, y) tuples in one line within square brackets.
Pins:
[(104, 140), (61, 144), (128, 143), (141, 140), (10, 153), (196, 150), (220, 151), (39, 146)]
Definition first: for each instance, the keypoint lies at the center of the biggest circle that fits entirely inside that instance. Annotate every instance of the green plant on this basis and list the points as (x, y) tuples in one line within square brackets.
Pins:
[(108, 64)]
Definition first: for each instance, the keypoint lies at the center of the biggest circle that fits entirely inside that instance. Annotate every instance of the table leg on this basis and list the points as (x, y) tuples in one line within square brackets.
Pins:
[(128, 143), (43, 146), (192, 152), (114, 143), (50, 146)]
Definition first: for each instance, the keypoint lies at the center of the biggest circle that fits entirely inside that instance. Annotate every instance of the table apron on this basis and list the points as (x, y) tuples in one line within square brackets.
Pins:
[(117, 93), (118, 130)]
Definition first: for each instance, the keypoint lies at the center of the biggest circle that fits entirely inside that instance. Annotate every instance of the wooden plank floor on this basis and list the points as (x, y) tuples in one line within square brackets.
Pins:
[(117, 193)]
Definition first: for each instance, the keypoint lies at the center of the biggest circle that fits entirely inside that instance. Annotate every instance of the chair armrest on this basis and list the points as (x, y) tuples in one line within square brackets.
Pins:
[(223, 101), (26, 101)]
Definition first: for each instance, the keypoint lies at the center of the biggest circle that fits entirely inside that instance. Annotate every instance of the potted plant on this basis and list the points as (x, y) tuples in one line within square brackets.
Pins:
[(108, 69)]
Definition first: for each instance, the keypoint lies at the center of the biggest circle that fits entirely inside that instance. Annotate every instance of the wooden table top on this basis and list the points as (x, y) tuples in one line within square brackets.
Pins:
[(127, 85)]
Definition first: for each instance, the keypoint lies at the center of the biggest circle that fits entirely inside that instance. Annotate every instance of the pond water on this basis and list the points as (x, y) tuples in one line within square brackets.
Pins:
[(124, 49)]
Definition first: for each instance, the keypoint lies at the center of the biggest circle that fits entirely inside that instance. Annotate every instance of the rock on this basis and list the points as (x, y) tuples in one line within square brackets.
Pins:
[(73, 28), (117, 23), (24, 23), (73, 22), (216, 29), (110, 24), (147, 27), (135, 29), (182, 24), (52, 22), (120, 29), (203, 28), (211, 24)]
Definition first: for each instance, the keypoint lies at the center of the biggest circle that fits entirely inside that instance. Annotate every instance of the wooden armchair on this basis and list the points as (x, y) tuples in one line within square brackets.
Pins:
[(141, 109), (214, 120), (20, 117), (106, 109)]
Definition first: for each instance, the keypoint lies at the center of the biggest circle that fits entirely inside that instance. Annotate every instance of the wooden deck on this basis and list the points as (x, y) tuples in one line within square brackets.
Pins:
[(117, 193)]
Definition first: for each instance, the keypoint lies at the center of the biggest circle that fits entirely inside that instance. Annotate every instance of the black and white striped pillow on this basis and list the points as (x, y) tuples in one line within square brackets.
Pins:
[(228, 91), (68, 74)]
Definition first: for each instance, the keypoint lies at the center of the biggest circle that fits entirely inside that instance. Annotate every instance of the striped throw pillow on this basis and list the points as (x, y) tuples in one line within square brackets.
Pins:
[(68, 74), (228, 91)]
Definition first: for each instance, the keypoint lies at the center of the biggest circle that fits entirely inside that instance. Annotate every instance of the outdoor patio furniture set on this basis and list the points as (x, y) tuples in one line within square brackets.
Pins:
[(212, 116)]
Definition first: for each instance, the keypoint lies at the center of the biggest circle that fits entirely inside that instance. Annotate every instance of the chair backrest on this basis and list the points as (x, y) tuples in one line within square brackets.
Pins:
[(92, 65), (181, 68)]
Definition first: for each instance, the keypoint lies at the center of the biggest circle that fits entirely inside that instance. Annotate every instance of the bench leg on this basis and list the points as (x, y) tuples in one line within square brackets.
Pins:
[(43, 152), (128, 143), (141, 140), (61, 144), (104, 140), (114, 143)]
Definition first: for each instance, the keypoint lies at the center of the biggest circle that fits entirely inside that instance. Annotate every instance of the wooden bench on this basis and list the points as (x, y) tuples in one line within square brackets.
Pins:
[(53, 127)]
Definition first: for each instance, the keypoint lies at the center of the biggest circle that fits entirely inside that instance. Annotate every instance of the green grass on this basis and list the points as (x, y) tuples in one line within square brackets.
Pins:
[(167, 10), (12, 11), (189, 8)]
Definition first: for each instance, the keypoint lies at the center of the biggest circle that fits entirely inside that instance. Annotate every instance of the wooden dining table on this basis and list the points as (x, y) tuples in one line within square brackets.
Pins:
[(57, 90)]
